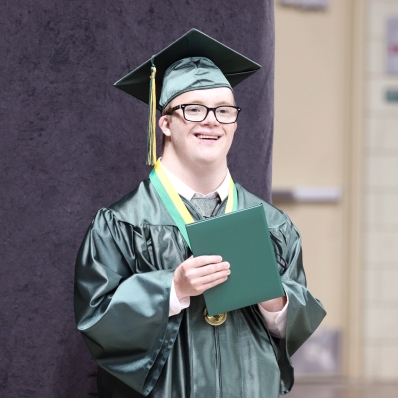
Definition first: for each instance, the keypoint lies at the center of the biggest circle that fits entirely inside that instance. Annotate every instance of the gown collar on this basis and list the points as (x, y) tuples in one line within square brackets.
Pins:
[(188, 193)]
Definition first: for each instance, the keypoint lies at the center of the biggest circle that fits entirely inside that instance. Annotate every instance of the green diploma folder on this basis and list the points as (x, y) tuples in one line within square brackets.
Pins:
[(241, 238)]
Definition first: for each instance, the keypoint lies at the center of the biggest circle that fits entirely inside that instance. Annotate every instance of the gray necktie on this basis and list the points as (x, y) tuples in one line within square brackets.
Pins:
[(206, 205)]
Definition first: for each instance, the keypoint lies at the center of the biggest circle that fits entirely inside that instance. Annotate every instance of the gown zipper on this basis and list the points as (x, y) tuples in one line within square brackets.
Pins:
[(217, 362), (217, 359)]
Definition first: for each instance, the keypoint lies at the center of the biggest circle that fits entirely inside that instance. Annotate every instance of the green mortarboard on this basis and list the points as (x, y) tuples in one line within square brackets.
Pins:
[(194, 61), (188, 74)]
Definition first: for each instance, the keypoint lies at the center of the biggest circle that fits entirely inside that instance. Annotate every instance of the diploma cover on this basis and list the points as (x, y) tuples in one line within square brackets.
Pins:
[(242, 238)]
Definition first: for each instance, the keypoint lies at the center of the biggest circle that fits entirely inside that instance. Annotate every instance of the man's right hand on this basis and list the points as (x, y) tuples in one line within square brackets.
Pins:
[(197, 274)]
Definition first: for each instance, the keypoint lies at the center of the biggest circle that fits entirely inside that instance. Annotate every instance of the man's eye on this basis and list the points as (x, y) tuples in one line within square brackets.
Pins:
[(223, 111), (194, 109)]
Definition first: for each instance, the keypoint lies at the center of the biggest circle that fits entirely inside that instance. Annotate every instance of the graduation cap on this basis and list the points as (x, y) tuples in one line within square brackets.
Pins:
[(195, 61)]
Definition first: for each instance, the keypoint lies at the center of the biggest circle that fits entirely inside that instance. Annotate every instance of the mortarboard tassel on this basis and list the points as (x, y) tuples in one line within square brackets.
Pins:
[(151, 141)]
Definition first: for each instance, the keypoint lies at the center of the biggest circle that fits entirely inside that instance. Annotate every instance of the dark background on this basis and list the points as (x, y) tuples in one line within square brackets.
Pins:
[(71, 144)]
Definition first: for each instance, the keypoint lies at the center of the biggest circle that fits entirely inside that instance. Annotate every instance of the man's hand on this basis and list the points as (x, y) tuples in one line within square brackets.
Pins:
[(197, 274)]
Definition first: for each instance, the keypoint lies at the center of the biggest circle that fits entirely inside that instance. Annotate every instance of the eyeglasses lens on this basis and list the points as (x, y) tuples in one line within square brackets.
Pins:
[(197, 113)]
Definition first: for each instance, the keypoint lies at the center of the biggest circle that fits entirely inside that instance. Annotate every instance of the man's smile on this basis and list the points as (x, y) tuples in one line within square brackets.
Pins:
[(207, 137)]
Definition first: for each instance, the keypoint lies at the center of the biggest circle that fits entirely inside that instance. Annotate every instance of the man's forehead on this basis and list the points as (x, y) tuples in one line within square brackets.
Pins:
[(211, 96)]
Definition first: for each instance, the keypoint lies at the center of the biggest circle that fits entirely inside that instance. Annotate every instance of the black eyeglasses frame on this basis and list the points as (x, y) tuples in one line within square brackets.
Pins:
[(183, 106)]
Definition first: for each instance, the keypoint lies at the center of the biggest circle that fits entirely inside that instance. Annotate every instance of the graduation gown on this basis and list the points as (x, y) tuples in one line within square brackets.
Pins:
[(124, 271)]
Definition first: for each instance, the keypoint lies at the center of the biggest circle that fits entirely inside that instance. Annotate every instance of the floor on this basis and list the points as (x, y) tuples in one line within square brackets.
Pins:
[(339, 390)]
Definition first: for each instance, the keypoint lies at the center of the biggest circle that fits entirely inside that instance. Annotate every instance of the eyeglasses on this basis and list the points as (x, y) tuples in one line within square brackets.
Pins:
[(197, 113)]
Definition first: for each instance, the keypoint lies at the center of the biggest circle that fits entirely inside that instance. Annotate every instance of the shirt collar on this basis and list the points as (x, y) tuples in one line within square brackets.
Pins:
[(186, 192)]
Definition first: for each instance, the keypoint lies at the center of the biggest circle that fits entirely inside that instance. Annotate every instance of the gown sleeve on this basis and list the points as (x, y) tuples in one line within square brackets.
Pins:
[(305, 312), (123, 315)]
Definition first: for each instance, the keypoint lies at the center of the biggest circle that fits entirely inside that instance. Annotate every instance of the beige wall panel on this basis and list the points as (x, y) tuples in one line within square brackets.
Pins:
[(321, 255), (310, 95), (311, 100), (319, 117)]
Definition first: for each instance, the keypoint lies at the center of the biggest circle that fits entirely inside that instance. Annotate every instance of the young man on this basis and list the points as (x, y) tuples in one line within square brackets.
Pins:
[(138, 291)]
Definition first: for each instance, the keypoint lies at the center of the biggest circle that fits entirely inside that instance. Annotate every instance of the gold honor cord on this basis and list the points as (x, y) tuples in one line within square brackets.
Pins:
[(181, 216), (172, 193), (151, 134)]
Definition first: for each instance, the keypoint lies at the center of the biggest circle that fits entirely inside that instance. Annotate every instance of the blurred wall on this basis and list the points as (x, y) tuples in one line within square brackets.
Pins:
[(335, 127), (381, 199), (312, 148), (310, 125)]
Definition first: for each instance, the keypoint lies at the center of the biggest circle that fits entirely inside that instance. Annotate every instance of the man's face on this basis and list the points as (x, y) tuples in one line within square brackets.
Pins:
[(198, 143)]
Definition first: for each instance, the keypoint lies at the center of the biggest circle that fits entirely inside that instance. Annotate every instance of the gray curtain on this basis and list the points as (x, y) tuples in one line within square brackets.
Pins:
[(71, 143)]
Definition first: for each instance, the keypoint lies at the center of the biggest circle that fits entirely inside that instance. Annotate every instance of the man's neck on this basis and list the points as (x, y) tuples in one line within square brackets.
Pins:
[(201, 178)]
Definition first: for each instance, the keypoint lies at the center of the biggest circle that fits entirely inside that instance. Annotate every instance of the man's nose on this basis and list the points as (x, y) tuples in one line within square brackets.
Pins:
[(211, 117)]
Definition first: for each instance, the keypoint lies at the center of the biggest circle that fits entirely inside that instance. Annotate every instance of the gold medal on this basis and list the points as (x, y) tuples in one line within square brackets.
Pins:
[(215, 320)]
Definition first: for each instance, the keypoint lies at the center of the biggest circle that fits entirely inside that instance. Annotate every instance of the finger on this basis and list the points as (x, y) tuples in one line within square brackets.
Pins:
[(210, 269), (201, 261), (214, 283), (210, 278)]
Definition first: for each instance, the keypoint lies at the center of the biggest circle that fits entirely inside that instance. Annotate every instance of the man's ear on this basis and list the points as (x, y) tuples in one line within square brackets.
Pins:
[(164, 124)]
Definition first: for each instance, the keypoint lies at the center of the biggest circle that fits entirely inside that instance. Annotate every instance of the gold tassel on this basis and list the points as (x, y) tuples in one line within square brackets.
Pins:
[(151, 141)]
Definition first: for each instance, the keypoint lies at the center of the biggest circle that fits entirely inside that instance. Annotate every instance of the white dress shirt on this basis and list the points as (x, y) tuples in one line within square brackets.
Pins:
[(275, 321)]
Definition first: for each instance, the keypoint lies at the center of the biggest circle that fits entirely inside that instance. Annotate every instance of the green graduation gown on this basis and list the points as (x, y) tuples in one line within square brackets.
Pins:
[(124, 272)]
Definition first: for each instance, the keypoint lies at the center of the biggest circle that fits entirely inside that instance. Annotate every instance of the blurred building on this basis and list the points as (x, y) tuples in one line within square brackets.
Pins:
[(335, 171)]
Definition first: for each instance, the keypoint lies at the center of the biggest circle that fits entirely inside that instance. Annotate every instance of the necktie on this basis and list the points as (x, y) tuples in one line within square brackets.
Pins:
[(206, 205)]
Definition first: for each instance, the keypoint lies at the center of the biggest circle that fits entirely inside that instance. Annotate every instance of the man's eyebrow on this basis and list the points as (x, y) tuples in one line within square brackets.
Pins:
[(227, 103)]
